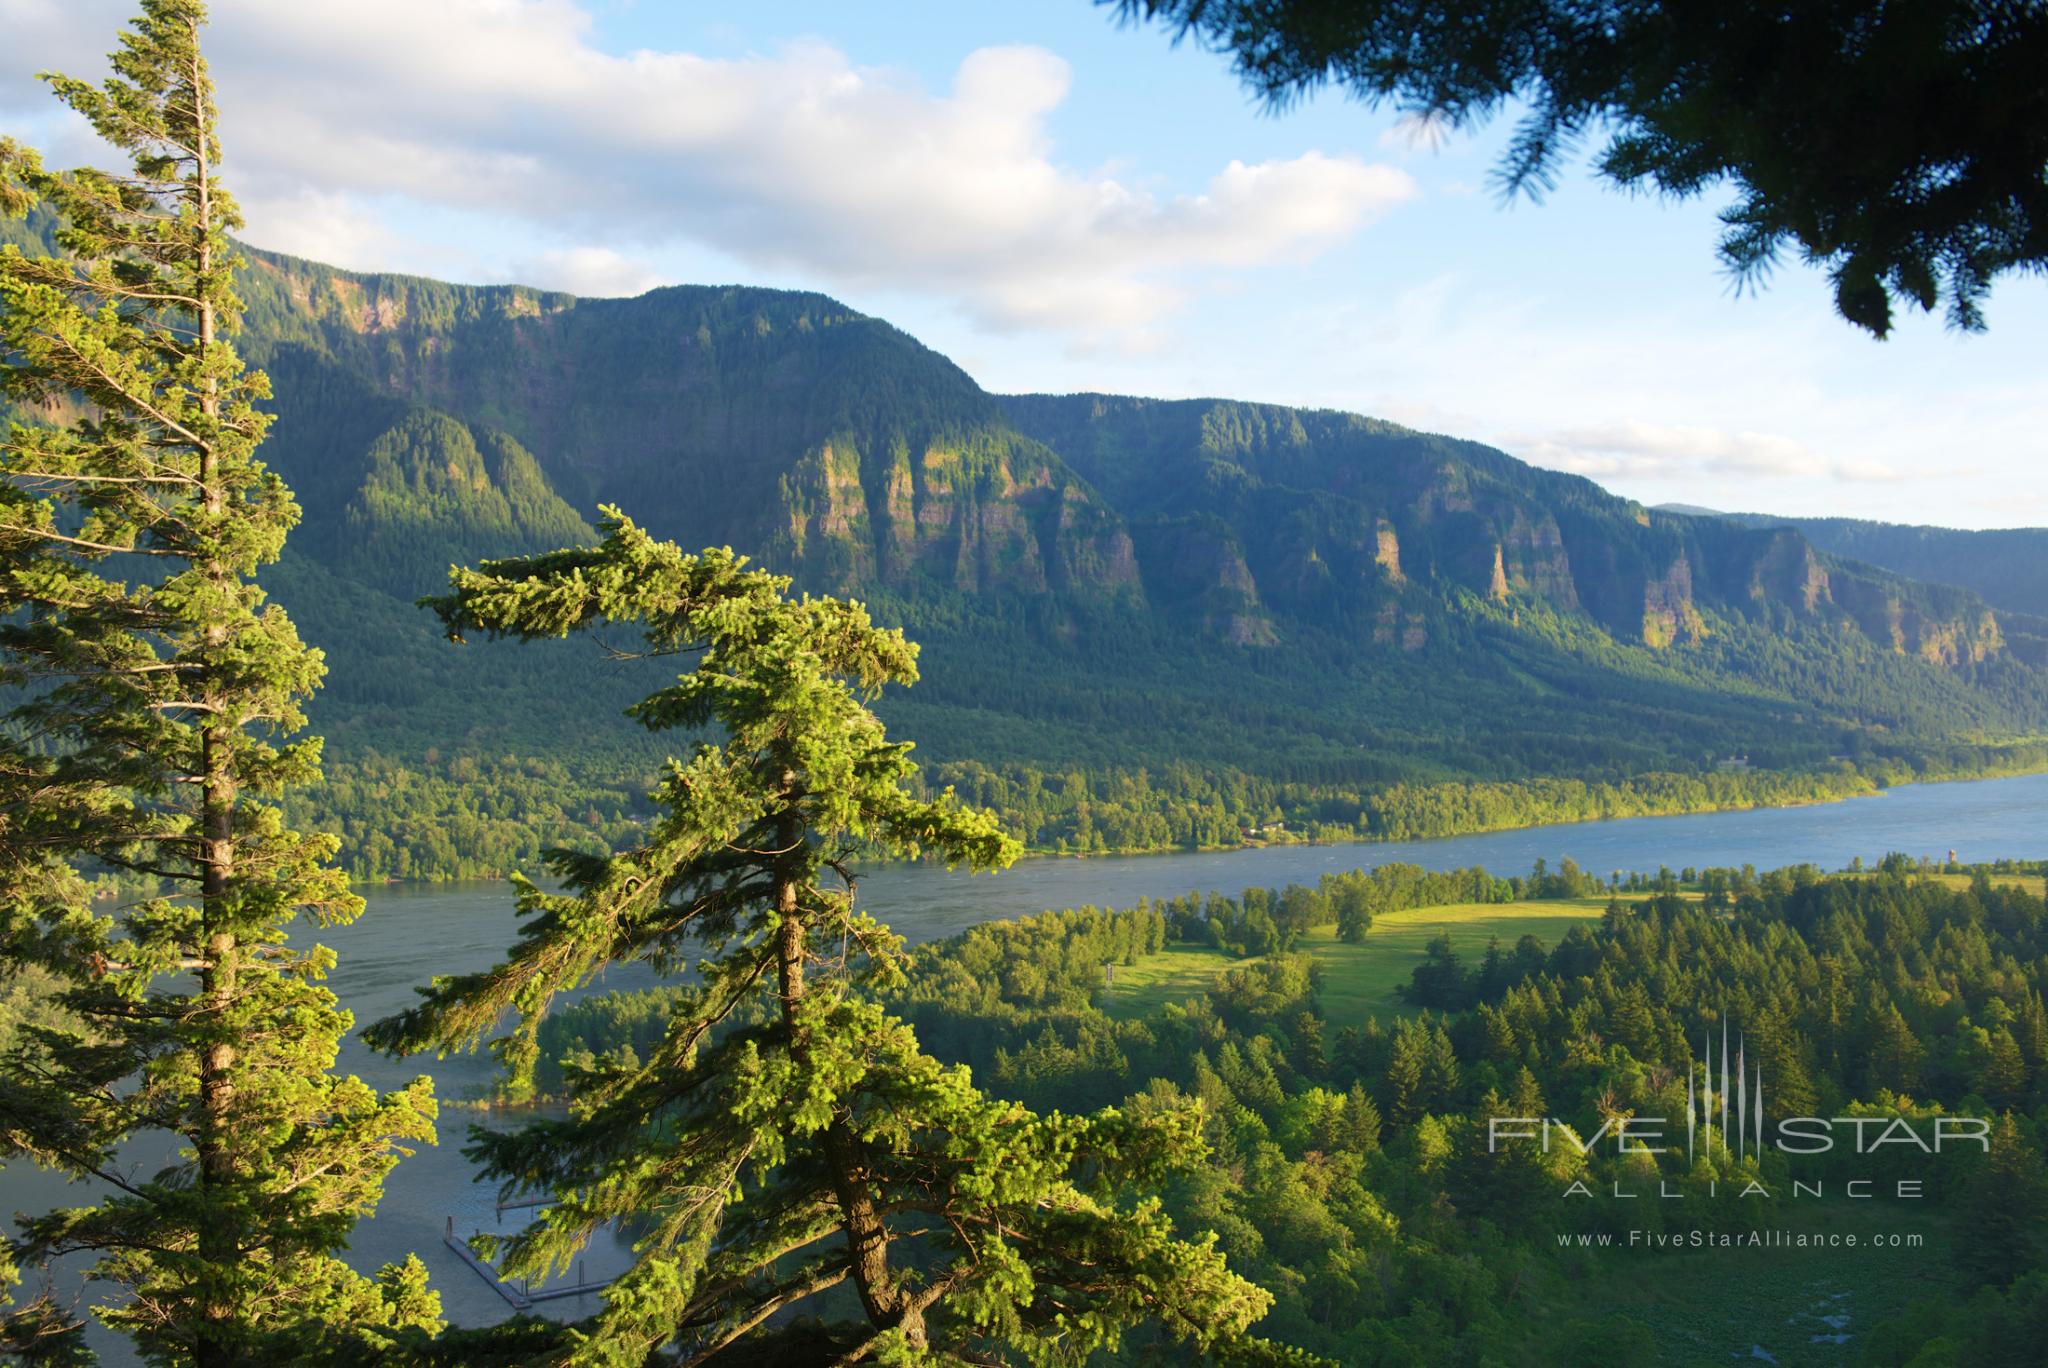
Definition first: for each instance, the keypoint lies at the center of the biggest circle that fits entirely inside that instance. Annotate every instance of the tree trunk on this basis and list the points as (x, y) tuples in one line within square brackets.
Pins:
[(218, 1241), (867, 1237)]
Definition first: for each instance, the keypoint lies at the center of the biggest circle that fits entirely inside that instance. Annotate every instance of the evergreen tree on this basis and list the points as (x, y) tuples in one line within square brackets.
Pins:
[(2031, 1031), (2002, 1205), (1631, 1022), (1441, 980), (2004, 1078), (1781, 1055), (1527, 1098), (1360, 1123), (1440, 1071), (787, 1136), (1901, 146), (1891, 1053), (159, 692), (1407, 1066), (1498, 1179)]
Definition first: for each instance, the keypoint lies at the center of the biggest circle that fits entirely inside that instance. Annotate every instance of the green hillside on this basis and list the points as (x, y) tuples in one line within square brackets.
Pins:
[(1145, 623)]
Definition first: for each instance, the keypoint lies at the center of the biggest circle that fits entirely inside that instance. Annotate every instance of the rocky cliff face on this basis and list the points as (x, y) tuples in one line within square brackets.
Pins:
[(826, 442), (1898, 614), (967, 515), (833, 445), (2007, 566), (1669, 613), (1328, 516)]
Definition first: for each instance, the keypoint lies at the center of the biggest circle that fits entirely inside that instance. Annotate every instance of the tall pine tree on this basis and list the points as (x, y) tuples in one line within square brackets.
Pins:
[(787, 1136), (160, 695)]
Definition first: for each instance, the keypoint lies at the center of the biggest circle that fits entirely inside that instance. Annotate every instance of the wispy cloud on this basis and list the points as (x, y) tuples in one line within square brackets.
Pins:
[(1639, 449), (598, 272), (802, 161)]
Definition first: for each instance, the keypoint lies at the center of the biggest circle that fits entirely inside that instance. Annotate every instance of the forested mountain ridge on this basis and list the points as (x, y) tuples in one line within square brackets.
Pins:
[(781, 423), (1320, 512), (2007, 565), (835, 445), (1145, 622), (437, 489)]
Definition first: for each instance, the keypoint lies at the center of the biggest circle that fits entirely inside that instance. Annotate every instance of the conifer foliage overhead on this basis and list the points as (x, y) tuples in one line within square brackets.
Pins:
[(159, 697), (787, 1136), (1901, 146)]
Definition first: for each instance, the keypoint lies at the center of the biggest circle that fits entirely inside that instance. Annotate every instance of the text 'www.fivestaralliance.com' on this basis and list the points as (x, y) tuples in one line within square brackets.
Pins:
[(1738, 1239)]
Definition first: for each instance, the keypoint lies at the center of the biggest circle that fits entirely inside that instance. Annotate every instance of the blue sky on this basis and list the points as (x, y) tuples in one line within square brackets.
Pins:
[(1060, 204)]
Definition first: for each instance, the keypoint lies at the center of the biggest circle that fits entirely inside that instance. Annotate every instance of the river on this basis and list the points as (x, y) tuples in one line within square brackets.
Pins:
[(411, 932)]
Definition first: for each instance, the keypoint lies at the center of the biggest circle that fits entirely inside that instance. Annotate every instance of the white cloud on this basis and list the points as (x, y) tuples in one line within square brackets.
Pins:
[(319, 225), (801, 161), (1638, 449), (49, 35), (598, 272)]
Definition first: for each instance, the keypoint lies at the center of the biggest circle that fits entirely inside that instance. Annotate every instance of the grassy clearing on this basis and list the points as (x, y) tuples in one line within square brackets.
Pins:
[(2030, 883), (2026, 883), (1175, 974), (1359, 981)]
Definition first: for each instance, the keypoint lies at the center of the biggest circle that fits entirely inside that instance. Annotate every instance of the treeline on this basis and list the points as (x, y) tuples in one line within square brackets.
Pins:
[(464, 816), (1180, 808), (1412, 812)]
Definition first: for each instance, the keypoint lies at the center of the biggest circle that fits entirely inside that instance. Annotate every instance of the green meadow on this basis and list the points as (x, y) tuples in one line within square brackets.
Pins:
[(2031, 883), (1359, 981)]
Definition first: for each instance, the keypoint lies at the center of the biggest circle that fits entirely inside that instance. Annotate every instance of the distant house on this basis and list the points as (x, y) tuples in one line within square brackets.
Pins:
[(1732, 763)]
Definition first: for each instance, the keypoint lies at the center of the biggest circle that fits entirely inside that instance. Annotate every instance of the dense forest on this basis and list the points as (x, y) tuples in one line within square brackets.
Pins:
[(1351, 1174)]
